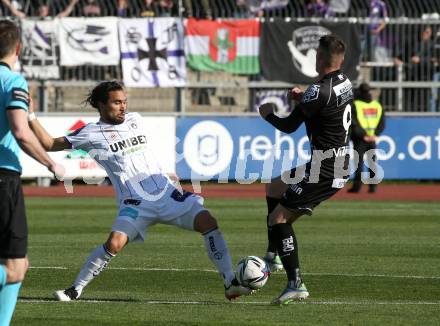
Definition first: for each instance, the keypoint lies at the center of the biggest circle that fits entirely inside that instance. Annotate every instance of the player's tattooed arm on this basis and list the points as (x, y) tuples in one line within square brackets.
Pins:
[(49, 143)]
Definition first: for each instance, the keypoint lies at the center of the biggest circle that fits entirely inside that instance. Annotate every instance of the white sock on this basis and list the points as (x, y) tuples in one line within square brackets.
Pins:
[(219, 254), (96, 262)]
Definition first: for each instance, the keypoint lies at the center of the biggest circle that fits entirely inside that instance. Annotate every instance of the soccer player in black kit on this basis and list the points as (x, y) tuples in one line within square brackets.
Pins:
[(325, 108)]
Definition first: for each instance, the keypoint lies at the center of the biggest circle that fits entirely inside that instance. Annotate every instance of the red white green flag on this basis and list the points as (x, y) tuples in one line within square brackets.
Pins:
[(227, 45)]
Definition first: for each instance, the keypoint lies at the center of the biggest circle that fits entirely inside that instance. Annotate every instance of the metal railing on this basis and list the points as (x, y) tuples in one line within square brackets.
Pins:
[(404, 83), (215, 8)]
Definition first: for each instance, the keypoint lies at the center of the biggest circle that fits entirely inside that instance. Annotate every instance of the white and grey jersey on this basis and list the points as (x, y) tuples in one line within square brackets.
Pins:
[(123, 151)]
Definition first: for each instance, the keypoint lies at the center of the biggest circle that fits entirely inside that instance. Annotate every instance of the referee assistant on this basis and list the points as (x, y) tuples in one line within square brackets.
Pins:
[(14, 133)]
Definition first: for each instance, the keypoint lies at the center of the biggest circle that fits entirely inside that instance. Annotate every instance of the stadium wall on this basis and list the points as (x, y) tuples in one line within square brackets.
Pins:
[(240, 148)]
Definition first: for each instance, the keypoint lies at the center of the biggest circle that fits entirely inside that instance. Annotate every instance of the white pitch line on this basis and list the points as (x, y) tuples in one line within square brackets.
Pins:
[(375, 275), (157, 269), (207, 303), (47, 267)]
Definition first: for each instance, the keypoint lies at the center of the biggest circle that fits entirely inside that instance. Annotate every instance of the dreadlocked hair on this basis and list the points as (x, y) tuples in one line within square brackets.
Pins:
[(100, 93)]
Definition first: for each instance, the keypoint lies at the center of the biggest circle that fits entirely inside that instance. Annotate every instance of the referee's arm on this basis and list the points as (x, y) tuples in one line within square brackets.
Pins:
[(25, 138)]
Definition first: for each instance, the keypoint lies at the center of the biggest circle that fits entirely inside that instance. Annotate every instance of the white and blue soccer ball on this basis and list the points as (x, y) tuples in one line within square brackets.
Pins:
[(252, 272)]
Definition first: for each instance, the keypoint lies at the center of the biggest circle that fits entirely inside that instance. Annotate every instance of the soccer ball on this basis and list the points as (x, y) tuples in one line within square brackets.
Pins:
[(252, 272)]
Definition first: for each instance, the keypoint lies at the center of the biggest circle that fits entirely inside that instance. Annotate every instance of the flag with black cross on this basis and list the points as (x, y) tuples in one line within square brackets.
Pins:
[(152, 52)]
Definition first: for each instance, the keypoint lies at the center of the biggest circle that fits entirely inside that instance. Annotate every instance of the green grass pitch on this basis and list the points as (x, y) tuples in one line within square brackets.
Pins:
[(375, 263)]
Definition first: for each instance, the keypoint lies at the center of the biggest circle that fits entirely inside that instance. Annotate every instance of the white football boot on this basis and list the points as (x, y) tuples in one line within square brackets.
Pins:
[(235, 290), (69, 294)]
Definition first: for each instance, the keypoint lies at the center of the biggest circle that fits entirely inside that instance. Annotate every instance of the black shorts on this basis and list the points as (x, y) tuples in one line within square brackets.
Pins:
[(304, 196), (13, 225)]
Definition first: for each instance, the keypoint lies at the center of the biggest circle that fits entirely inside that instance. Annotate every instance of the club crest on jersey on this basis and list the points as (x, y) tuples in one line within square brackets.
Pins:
[(311, 94), (125, 144)]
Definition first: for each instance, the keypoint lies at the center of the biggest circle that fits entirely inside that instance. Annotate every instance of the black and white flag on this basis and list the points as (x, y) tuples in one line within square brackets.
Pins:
[(91, 41), (39, 56), (288, 49)]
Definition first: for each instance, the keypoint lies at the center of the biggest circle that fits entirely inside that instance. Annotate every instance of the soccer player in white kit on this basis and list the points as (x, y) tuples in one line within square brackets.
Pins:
[(146, 195)]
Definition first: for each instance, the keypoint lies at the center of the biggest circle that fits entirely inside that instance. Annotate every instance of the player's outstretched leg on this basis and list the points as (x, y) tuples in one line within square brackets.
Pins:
[(218, 252), (95, 263)]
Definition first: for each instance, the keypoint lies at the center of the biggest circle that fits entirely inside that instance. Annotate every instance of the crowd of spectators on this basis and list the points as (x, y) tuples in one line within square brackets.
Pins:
[(89, 8), (218, 8), (420, 58)]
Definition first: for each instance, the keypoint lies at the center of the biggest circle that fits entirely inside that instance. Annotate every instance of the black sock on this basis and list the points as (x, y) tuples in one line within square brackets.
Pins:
[(271, 243), (287, 247), (271, 204)]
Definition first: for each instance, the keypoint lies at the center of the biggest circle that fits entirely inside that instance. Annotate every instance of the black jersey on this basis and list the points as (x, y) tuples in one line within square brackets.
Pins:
[(326, 110)]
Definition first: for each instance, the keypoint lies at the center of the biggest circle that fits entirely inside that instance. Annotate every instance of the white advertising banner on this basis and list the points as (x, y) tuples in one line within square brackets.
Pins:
[(79, 165)]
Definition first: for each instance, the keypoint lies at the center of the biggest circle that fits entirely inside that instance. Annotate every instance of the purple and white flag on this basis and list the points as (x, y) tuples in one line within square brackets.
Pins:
[(40, 47), (152, 52), (91, 41)]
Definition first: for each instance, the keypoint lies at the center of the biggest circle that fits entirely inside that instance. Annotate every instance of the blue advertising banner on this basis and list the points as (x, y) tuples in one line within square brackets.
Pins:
[(248, 149), (411, 148)]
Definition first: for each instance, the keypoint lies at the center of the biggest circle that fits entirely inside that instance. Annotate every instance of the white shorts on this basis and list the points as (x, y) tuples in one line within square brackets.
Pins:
[(173, 208)]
